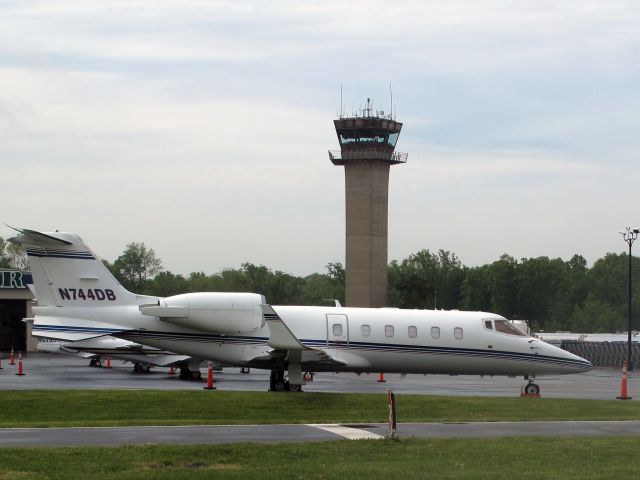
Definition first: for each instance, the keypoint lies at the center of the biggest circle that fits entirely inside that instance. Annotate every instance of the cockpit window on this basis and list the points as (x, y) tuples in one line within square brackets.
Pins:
[(488, 324), (505, 326)]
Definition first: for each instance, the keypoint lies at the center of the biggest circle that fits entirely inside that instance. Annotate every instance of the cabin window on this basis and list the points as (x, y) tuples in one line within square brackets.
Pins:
[(505, 326), (388, 330), (457, 333), (337, 329), (366, 330), (435, 332), (487, 324), (413, 332)]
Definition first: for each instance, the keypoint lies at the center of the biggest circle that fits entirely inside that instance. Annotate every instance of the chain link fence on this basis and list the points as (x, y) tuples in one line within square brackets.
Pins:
[(603, 354)]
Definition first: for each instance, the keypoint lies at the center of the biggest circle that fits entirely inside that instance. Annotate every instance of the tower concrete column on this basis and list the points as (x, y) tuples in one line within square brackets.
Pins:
[(366, 194)]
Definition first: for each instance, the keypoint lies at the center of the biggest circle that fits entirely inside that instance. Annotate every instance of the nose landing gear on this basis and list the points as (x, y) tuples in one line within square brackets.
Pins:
[(530, 390)]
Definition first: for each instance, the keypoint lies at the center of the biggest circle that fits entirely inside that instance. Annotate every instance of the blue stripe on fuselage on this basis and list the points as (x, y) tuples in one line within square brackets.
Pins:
[(315, 343)]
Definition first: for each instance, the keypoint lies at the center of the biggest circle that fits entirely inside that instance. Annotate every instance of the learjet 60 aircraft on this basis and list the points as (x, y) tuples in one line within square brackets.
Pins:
[(77, 294)]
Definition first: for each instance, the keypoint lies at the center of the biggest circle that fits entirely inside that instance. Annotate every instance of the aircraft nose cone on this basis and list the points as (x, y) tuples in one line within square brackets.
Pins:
[(574, 363), (564, 361)]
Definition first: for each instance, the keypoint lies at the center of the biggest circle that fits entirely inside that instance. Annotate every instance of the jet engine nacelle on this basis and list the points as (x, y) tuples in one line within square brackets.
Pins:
[(226, 313)]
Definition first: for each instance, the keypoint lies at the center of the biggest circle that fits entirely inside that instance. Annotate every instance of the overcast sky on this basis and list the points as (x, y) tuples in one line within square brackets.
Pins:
[(202, 127)]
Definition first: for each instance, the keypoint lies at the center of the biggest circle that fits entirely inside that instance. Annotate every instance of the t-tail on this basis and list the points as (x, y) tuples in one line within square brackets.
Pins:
[(67, 273)]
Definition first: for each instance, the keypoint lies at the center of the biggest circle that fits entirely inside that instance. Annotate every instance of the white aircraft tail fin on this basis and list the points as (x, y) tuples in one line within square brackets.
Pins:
[(67, 273)]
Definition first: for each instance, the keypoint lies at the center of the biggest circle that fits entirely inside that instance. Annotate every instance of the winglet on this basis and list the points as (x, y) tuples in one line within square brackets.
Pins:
[(280, 336)]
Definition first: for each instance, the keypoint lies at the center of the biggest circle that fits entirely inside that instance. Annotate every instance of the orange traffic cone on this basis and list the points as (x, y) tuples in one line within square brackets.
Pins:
[(210, 378), (623, 386), (172, 371), (20, 372), (12, 358), (108, 362), (381, 378)]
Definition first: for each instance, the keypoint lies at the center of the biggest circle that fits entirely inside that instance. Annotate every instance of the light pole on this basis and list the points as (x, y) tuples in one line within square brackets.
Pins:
[(630, 236)]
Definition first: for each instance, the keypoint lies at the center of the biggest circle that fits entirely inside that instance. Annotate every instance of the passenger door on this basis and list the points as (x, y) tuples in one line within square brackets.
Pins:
[(337, 329)]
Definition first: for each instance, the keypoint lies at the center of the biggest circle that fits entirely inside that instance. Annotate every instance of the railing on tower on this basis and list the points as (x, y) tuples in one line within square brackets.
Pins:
[(339, 157)]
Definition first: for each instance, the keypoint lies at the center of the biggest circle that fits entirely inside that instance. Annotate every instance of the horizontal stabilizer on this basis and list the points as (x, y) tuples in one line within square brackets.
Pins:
[(31, 237), (164, 311)]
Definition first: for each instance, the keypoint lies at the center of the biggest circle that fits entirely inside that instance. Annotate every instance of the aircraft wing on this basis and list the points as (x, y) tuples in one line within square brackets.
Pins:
[(116, 348), (285, 344), (280, 336)]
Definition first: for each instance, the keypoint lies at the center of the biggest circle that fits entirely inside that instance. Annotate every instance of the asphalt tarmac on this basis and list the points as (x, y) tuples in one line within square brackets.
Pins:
[(220, 434), (58, 371)]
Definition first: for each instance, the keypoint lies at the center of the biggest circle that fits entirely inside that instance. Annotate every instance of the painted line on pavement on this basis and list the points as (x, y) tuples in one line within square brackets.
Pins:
[(346, 432)]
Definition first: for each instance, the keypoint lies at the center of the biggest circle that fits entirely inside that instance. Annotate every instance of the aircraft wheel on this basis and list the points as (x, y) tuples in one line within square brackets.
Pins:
[(185, 373), (295, 388), (245, 370), (196, 374), (532, 389), (145, 368), (98, 363), (279, 386), (137, 368), (277, 383), (92, 362)]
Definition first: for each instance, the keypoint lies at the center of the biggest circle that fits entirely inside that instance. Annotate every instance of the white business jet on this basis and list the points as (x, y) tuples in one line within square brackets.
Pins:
[(77, 294)]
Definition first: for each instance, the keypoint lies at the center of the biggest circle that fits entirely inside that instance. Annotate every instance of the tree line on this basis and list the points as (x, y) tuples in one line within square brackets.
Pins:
[(551, 293)]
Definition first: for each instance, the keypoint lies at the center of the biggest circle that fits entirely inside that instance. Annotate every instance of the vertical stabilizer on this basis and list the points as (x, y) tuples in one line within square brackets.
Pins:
[(67, 273)]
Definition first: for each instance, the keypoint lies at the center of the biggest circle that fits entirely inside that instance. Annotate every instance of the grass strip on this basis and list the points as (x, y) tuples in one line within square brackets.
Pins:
[(69, 408), (508, 458)]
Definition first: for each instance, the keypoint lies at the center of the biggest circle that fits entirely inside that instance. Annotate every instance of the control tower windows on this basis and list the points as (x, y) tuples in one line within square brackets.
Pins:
[(366, 135)]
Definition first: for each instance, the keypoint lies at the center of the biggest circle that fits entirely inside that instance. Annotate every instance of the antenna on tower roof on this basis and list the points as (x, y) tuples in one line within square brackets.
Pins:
[(391, 95)]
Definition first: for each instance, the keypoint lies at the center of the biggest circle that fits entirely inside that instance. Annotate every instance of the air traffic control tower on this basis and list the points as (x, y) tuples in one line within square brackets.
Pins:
[(367, 150)]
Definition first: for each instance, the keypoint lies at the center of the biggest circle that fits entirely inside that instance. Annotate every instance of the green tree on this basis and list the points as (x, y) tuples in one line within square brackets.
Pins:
[(475, 294), (335, 272), (319, 289), (4, 260), (136, 266), (166, 284), (277, 287), (540, 286), (608, 280), (13, 255), (426, 280), (596, 316), (502, 288)]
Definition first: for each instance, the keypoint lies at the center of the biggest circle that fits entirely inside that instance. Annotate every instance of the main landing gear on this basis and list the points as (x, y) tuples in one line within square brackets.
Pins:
[(277, 383), (95, 362), (141, 368), (187, 374)]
